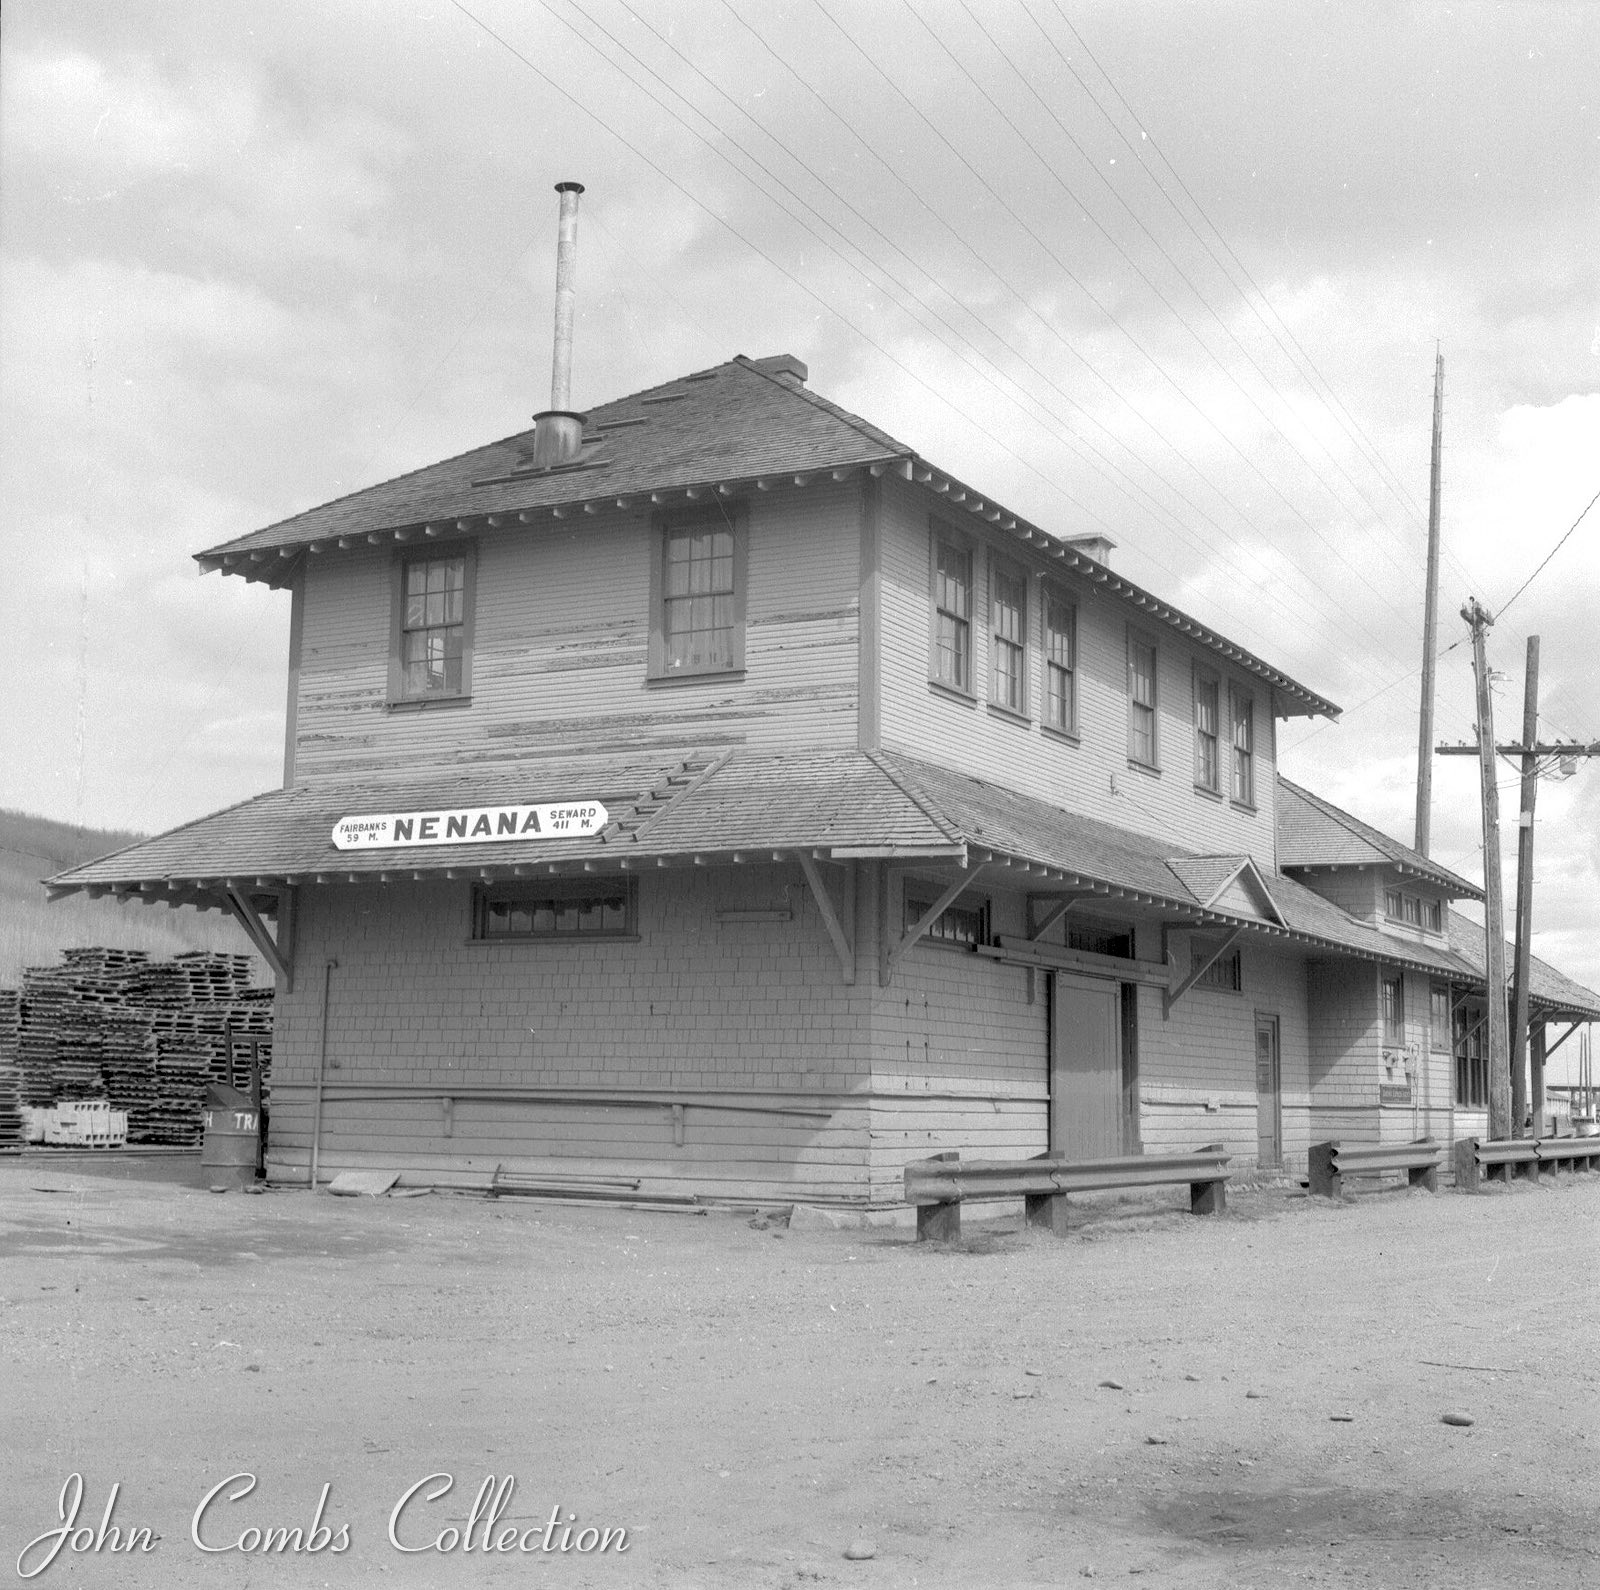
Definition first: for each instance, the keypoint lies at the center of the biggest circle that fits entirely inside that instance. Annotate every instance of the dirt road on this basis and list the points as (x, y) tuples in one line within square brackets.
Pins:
[(1249, 1401)]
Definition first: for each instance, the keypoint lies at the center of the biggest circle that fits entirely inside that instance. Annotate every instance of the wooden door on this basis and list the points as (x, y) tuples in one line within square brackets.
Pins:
[(1086, 1068), (1269, 1094)]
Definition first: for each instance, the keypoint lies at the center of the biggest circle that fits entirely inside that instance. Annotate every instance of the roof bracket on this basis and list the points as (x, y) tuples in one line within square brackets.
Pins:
[(842, 945), (893, 956), (278, 952), (1169, 999)]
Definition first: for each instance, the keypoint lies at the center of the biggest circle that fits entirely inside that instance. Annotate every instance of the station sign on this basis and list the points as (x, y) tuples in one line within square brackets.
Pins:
[(469, 825)]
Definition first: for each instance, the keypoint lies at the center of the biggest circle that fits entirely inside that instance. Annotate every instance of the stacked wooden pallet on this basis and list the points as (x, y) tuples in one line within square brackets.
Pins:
[(145, 1035), (10, 1070)]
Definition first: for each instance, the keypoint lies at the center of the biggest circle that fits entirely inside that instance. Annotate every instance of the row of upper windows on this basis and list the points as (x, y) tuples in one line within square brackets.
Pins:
[(1022, 669), (697, 585), (697, 628), (1414, 910)]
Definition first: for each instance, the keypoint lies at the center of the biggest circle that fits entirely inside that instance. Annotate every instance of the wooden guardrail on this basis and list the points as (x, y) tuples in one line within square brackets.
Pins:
[(1329, 1163), (1500, 1159), (939, 1186)]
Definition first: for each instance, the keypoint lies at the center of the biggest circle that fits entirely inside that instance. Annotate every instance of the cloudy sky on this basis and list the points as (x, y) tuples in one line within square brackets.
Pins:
[(1175, 272)]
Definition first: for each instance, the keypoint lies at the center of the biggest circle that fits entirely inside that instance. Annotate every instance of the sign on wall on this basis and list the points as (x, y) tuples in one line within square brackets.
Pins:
[(472, 825)]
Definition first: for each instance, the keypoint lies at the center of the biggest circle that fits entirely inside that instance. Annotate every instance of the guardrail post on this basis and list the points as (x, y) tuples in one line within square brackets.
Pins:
[(1322, 1168), (1467, 1173), (1046, 1212)]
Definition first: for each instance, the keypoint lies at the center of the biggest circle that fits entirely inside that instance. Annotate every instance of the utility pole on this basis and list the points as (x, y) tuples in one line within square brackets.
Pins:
[(1430, 623), (1526, 1044), (1494, 949), (1519, 1014)]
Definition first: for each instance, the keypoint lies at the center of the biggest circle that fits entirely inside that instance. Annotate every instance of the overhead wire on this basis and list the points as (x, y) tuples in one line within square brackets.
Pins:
[(1152, 503), (1117, 323), (1183, 276), (1067, 494)]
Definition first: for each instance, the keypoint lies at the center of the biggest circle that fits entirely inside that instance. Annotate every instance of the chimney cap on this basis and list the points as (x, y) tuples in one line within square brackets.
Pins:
[(569, 187), (782, 364)]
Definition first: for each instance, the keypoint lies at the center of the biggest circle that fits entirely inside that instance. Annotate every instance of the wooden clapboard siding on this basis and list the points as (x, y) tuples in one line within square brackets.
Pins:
[(1203, 1054), (1358, 893), (960, 1058), (1346, 1048), (560, 647), (1093, 775), (752, 1014)]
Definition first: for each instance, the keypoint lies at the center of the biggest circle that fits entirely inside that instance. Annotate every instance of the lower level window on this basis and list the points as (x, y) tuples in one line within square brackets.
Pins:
[(559, 908), (966, 925)]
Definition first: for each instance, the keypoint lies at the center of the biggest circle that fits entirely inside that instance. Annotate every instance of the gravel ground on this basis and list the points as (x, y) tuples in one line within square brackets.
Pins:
[(1250, 1401)]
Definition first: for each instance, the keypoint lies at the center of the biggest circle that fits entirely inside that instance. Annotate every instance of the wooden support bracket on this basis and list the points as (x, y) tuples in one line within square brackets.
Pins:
[(278, 952), (842, 945), (1171, 998), (893, 956)]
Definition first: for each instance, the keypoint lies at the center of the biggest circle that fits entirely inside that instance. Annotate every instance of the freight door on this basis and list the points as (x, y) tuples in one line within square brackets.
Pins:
[(1269, 1096), (1086, 1068)]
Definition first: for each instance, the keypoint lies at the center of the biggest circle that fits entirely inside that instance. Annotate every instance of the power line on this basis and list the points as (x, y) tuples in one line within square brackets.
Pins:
[(1550, 554)]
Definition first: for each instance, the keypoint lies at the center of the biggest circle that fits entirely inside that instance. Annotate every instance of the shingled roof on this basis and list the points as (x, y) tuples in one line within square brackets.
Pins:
[(740, 421), (740, 806), (1313, 832)]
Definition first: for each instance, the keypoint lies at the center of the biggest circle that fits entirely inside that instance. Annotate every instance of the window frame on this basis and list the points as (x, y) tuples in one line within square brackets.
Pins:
[(1393, 1015), (913, 906), (398, 698), (940, 535), (1139, 640), (1003, 569), (1242, 790), (554, 889), (734, 518), (1051, 667), (1207, 678), (1225, 974)]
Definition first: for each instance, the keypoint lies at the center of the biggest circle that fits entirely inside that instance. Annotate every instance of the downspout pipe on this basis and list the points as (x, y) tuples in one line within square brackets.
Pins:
[(322, 1073)]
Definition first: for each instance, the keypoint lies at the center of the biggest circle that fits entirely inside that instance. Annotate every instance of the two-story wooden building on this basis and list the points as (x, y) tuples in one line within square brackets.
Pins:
[(741, 805)]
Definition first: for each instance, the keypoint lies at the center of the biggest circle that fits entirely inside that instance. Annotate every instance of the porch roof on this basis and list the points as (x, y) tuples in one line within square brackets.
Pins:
[(740, 806)]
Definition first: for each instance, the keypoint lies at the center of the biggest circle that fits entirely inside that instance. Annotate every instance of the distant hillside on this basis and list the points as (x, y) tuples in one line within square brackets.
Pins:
[(34, 932)]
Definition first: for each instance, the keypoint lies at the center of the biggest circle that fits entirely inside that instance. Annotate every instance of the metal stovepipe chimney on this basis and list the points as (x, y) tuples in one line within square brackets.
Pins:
[(558, 431)]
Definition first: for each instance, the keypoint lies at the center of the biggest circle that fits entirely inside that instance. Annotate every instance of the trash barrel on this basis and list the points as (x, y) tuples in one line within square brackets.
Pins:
[(232, 1131)]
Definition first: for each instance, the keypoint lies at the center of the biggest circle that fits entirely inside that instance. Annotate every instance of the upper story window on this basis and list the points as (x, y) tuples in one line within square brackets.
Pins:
[(952, 611), (1008, 622), (1142, 701), (1413, 910), (430, 653), (1242, 712), (1060, 663), (1394, 1013), (1207, 732), (698, 596)]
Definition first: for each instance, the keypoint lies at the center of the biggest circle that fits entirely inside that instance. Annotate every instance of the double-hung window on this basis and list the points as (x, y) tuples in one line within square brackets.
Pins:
[(1060, 663), (1207, 732), (952, 612), (1008, 621), (1141, 701), (1242, 712), (430, 652), (698, 596)]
